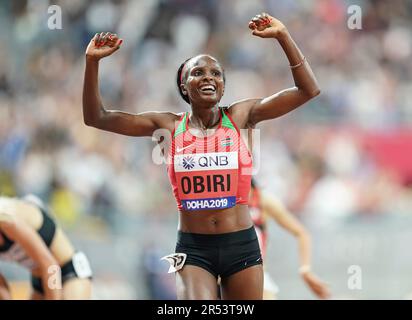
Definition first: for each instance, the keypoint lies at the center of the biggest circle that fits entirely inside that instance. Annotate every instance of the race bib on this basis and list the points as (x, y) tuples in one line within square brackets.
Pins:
[(207, 180)]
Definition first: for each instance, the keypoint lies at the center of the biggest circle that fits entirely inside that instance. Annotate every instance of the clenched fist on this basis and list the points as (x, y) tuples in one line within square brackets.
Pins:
[(266, 26), (102, 45)]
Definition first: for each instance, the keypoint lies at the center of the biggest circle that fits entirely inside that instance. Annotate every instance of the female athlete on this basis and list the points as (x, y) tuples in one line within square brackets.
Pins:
[(30, 237), (209, 164)]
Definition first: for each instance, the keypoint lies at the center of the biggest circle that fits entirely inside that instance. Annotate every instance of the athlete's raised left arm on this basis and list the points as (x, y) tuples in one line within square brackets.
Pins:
[(274, 209), (306, 86)]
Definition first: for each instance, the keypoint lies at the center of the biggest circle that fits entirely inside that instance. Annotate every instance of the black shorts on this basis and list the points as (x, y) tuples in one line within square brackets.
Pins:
[(221, 254), (77, 267)]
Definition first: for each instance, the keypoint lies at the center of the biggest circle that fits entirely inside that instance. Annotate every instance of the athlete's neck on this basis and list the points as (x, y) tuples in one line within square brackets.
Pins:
[(205, 118)]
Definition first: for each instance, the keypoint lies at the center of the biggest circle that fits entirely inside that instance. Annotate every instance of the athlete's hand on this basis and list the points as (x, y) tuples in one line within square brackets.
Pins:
[(316, 285), (102, 45), (266, 26)]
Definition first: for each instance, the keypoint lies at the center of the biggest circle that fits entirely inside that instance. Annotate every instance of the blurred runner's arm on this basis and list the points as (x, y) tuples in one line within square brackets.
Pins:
[(285, 219), (274, 209)]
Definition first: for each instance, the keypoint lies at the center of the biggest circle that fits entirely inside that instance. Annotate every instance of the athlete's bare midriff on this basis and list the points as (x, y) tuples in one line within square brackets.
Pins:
[(215, 221)]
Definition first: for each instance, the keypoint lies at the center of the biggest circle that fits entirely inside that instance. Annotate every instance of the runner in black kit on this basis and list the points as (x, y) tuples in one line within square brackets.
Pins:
[(30, 237)]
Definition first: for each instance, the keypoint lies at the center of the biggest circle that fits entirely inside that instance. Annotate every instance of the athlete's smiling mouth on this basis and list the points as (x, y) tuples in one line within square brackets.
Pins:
[(207, 88)]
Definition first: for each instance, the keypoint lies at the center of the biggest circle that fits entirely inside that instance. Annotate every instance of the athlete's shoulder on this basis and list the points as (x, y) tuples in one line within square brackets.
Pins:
[(240, 110), (173, 115), (163, 115), (179, 115), (163, 119), (177, 118), (242, 104)]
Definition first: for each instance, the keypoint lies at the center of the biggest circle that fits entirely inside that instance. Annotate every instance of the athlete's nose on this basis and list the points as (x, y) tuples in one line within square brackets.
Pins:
[(209, 75)]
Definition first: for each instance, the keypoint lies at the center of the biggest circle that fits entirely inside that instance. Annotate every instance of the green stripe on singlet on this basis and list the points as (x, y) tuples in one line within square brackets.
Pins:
[(226, 121), (181, 127)]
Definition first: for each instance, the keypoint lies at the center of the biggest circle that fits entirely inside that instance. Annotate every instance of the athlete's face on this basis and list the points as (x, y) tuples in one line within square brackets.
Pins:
[(203, 80)]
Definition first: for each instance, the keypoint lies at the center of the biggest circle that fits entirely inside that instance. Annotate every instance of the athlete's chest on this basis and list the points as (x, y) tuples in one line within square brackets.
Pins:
[(206, 170)]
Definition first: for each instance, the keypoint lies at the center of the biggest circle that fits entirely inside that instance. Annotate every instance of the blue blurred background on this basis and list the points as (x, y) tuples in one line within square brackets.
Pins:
[(342, 163)]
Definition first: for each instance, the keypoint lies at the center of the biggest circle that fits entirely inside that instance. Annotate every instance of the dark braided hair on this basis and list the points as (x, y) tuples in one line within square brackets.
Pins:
[(179, 78)]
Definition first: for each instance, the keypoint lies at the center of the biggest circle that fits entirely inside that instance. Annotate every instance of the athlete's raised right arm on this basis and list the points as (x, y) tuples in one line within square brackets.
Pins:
[(94, 113)]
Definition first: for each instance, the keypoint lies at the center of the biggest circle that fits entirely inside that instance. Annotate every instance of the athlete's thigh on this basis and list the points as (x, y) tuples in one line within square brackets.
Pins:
[(246, 284), (4, 289), (77, 289), (195, 283)]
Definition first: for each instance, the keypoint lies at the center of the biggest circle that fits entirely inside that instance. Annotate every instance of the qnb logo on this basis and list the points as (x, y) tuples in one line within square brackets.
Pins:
[(213, 161), (188, 163), (206, 161)]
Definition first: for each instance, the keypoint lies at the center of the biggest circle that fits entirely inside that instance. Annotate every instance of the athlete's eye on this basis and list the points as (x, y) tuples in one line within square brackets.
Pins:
[(217, 73), (197, 73)]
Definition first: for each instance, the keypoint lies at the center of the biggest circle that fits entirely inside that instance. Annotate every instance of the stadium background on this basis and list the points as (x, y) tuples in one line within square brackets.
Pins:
[(342, 163)]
